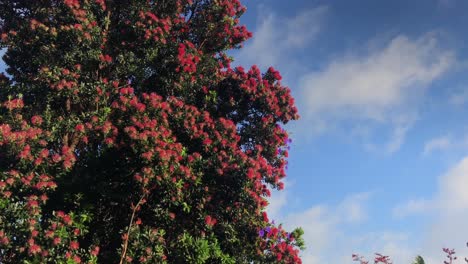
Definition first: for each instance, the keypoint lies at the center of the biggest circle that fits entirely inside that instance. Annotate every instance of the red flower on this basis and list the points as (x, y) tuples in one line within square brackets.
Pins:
[(105, 58), (209, 221), (95, 251), (34, 249), (265, 217), (74, 245), (281, 186), (57, 240), (36, 120), (80, 128), (172, 215), (67, 219)]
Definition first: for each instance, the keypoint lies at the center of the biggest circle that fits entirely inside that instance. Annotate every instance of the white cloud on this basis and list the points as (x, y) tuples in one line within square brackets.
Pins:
[(401, 124), (323, 226), (453, 194), (438, 143), (331, 239), (278, 200), (319, 228), (381, 87), (411, 207), (329, 229), (448, 231), (370, 85), (275, 38), (448, 228), (447, 212), (389, 243), (352, 209), (445, 143)]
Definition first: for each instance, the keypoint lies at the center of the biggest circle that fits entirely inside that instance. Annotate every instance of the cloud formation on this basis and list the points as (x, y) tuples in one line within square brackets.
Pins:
[(323, 225), (379, 87), (329, 229), (411, 207), (445, 143), (384, 78), (276, 38), (448, 228), (447, 212), (438, 143), (453, 194)]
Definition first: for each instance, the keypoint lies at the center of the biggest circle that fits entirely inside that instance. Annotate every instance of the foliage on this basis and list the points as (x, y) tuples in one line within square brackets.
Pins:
[(419, 260), (125, 135)]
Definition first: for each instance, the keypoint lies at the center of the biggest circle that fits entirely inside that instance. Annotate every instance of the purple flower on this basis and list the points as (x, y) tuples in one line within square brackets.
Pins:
[(268, 229), (261, 233)]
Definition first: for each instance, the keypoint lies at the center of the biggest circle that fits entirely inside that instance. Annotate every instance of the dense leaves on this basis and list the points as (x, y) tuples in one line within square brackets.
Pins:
[(126, 136), (419, 260)]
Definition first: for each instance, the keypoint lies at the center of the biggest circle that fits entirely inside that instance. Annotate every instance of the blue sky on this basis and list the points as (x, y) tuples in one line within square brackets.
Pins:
[(379, 158)]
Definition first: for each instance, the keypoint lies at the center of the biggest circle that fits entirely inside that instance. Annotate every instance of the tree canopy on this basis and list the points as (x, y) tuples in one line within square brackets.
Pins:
[(419, 260), (127, 137)]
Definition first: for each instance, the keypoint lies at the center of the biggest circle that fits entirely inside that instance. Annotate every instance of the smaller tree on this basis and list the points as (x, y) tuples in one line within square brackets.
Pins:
[(419, 260)]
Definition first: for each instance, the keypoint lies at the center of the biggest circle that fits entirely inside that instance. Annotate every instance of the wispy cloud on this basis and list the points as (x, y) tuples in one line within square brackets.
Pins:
[(277, 38), (380, 87), (401, 125), (445, 143), (324, 224), (412, 207), (438, 143), (384, 78)]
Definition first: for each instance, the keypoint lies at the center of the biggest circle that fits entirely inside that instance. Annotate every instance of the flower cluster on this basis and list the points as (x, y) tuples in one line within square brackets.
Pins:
[(279, 244), (187, 60)]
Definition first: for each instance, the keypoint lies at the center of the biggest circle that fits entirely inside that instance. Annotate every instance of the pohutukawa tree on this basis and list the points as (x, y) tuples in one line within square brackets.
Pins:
[(126, 136)]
